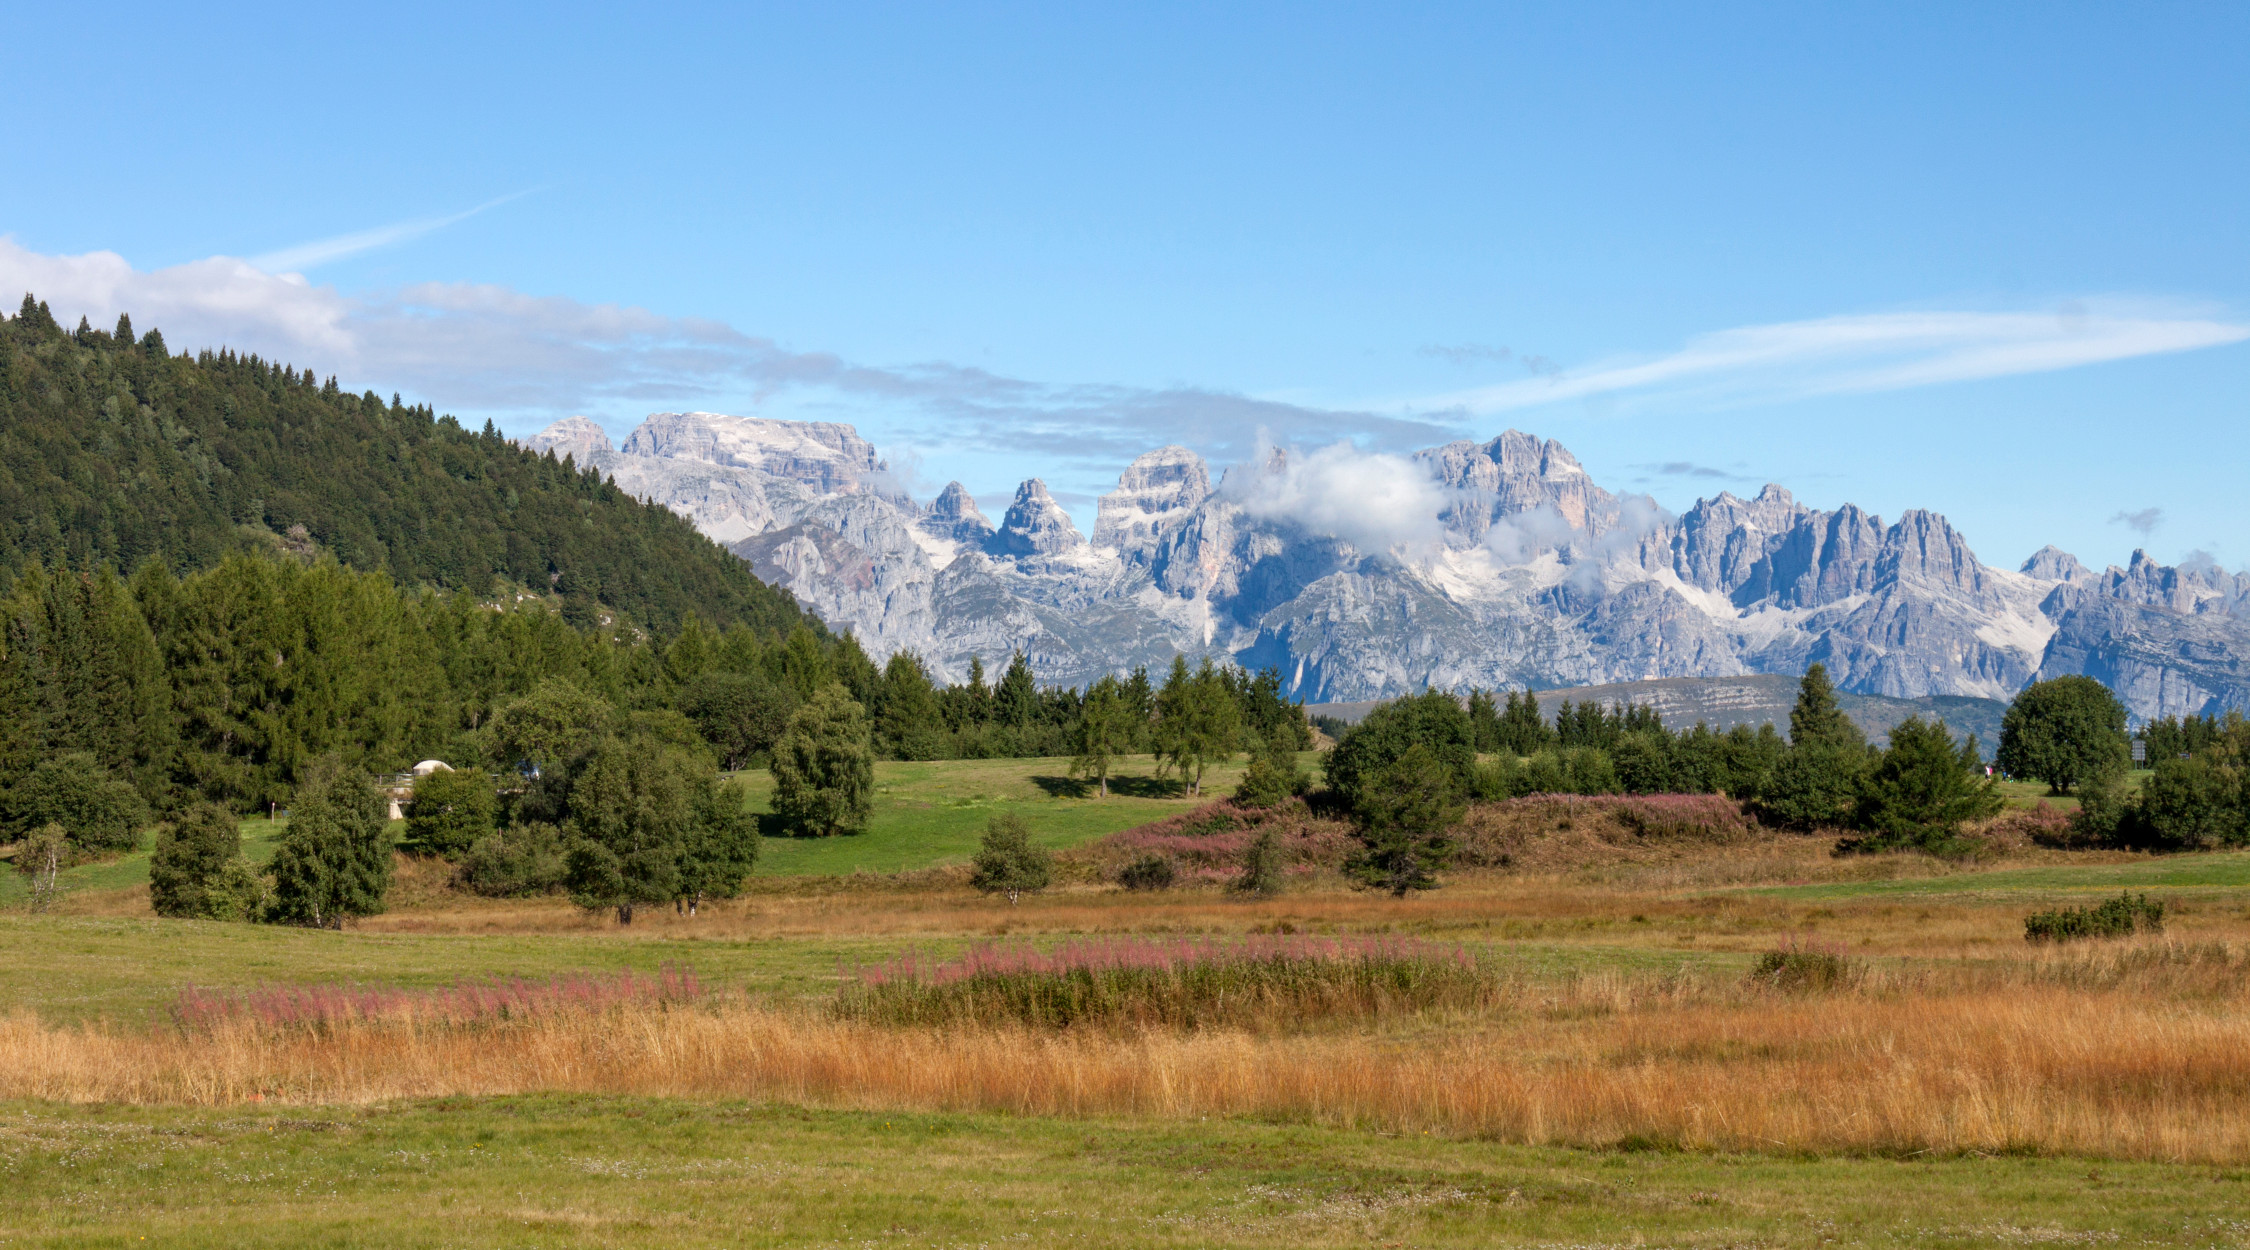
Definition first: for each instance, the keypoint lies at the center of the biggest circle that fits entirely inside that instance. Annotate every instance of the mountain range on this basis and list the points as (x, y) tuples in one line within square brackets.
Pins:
[(1359, 577)]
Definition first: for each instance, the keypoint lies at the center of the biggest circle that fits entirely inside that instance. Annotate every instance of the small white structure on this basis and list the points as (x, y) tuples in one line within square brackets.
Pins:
[(401, 787)]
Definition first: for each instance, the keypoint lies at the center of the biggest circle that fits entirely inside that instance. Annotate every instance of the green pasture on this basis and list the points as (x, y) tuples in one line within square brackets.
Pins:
[(563, 1171), (927, 814)]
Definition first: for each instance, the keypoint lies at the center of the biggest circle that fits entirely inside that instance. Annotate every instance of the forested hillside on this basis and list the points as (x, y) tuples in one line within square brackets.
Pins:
[(113, 451)]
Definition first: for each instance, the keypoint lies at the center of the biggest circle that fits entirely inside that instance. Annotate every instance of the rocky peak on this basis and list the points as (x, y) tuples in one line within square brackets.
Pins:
[(954, 515), (577, 437), (1924, 547), (1034, 525), (1718, 543), (2052, 564), (829, 457), (1514, 473), (1156, 492)]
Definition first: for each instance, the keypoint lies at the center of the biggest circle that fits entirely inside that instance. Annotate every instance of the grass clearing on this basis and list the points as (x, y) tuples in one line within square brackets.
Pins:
[(575, 1171), (929, 814), (2214, 871)]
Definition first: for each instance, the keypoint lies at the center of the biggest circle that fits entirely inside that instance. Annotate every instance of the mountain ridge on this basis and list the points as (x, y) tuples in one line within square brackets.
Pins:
[(1498, 564)]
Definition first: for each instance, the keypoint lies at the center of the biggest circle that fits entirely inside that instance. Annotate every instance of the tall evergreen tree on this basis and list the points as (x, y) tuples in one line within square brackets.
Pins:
[(1104, 733), (1817, 716), (1015, 703), (909, 722)]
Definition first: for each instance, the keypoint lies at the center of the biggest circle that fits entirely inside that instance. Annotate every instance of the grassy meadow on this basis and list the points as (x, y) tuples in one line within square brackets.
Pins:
[(1610, 1057)]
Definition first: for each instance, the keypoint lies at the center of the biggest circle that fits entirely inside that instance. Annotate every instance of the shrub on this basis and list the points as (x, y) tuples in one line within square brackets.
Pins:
[(1804, 965), (1261, 867), (2193, 803), (40, 858), (451, 809), (2118, 917), (1006, 861), (1149, 872), (97, 812), (1272, 778), (191, 854), (515, 862)]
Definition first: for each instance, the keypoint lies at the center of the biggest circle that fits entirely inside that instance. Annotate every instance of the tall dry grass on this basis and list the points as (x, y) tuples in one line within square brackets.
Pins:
[(2136, 1053)]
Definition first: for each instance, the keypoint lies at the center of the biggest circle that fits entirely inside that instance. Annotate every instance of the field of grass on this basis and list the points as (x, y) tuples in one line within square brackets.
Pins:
[(1616, 1076), (574, 1171), (931, 814)]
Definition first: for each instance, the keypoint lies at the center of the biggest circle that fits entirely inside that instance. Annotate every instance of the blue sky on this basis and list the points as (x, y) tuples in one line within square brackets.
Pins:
[(1988, 260)]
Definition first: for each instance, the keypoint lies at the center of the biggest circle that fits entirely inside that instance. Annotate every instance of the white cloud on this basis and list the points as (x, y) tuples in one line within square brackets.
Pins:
[(1874, 352), (1372, 500), (319, 252), (524, 359)]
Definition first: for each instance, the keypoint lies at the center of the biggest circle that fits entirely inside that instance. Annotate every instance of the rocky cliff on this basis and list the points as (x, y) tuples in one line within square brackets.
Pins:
[(1493, 564)]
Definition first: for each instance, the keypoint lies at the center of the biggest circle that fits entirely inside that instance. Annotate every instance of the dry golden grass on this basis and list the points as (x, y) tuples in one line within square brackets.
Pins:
[(2140, 1050)]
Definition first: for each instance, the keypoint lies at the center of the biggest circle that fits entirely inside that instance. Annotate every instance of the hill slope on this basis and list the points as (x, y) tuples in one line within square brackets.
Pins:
[(113, 450)]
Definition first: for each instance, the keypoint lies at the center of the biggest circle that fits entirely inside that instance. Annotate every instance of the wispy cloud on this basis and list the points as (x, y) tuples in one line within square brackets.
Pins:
[(2143, 522), (493, 351), (1873, 352), (307, 256)]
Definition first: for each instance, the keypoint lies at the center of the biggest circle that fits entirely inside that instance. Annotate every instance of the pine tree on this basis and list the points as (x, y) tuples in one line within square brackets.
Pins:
[(1198, 722), (1484, 721), (1925, 787), (909, 722)]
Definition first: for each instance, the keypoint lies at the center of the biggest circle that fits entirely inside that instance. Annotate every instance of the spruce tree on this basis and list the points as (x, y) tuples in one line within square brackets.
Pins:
[(1817, 716), (1015, 703), (910, 724), (1404, 818), (1924, 787)]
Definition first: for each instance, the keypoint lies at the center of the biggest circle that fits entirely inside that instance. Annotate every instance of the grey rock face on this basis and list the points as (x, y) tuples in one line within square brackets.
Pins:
[(1035, 525), (577, 437), (1538, 576), (953, 517), (824, 456)]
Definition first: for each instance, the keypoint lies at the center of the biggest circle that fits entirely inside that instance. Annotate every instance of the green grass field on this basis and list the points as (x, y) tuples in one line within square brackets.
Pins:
[(932, 814), (562, 1171)]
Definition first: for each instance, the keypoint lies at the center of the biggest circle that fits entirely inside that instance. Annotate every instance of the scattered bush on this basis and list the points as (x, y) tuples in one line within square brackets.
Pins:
[(187, 869), (1172, 983), (1006, 861), (40, 858), (515, 862), (1261, 867), (450, 810), (2122, 916), (1149, 872), (1804, 965)]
